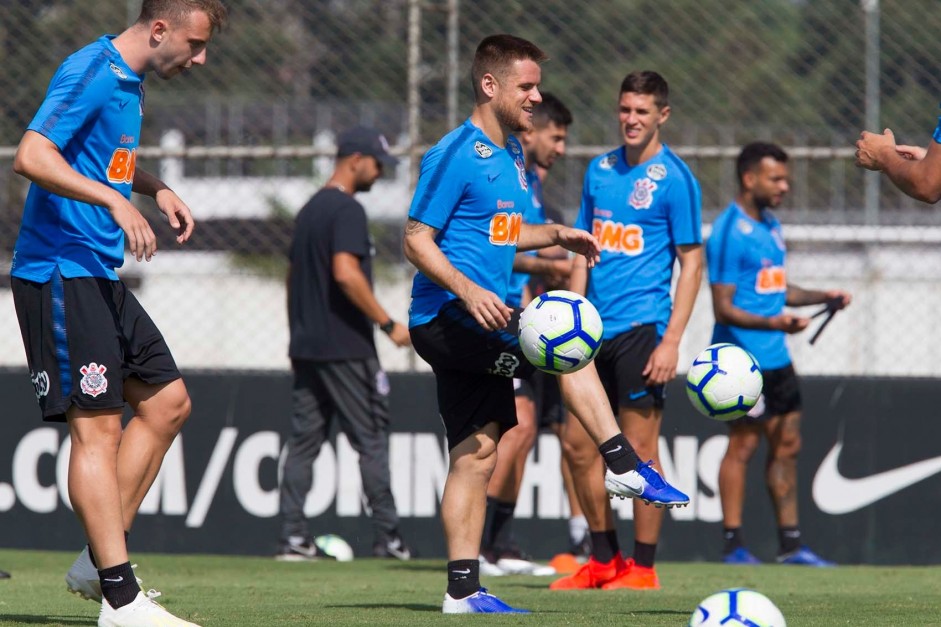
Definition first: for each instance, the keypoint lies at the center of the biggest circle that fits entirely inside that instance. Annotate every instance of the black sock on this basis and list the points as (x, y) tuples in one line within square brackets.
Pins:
[(619, 455), (118, 584), (463, 578), (490, 512), (789, 539), (604, 545), (733, 539), (502, 529), (644, 554), (91, 554)]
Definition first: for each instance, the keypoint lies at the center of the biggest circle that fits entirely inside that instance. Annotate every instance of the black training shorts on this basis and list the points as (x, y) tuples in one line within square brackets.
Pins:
[(83, 337), (542, 389), (620, 363), (780, 394), (474, 370)]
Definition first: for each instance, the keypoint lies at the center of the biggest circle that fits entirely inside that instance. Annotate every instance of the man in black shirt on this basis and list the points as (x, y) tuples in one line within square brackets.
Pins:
[(331, 312)]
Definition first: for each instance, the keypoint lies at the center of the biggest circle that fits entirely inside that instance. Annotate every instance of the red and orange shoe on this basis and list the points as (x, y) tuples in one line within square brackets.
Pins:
[(634, 577), (592, 575)]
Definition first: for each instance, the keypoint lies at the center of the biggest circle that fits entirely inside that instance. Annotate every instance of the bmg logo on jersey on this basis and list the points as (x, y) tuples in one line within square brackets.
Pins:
[(122, 165), (505, 227), (614, 237), (771, 280)]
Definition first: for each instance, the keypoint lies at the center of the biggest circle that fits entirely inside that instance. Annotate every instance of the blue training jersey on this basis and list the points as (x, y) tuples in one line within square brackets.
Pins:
[(639, 214), (474, 193), (750, 255), (534, 213), (92, 112)]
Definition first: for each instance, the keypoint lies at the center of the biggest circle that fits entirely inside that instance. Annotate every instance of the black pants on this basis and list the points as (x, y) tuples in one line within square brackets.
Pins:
[(356, 392)]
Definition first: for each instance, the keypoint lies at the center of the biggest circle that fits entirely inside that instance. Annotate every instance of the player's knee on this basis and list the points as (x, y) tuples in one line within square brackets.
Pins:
[(174, 412), (788, 447)]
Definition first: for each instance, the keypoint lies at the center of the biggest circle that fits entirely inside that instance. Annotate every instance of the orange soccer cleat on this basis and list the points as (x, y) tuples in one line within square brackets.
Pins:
[(592, 575), (634, 577)]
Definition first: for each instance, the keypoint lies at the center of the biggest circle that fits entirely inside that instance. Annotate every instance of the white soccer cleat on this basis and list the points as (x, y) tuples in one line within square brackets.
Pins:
[(82, 578), (626, 485), (523, 566), (141, 612), (652, 488)]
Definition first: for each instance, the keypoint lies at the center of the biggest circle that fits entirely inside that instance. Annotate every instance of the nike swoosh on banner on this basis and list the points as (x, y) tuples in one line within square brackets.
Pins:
[(836, 494)]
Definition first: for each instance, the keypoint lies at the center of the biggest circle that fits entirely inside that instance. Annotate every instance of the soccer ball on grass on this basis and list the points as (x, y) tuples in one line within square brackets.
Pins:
[(737, 607), (334, 546), (560, 332), (724, 382)]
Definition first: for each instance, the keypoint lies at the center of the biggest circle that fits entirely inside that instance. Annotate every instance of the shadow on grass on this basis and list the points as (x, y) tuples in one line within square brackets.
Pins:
[(415, 607), (22, 619)]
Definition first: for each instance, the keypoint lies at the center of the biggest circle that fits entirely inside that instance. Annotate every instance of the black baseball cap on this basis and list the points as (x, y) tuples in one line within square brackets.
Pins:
[(365, 141)]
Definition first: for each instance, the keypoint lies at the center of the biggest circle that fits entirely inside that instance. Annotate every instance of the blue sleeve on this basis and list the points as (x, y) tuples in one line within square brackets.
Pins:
[(685, 214), (937, 132), (723, 253), (586, 210), (77, 93), (439, 190)]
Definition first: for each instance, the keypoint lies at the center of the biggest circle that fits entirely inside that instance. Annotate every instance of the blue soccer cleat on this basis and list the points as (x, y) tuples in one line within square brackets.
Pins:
[(741, 555), (646, 484), (804, 557), (481, 602)]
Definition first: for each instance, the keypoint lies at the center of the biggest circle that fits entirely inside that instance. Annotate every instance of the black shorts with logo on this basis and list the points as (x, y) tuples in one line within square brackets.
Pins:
[(780, 394), (620, 363), (83, 337), (474, 370)]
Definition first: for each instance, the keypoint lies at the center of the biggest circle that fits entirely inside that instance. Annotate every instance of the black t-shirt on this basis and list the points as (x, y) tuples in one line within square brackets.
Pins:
[(325, 325)]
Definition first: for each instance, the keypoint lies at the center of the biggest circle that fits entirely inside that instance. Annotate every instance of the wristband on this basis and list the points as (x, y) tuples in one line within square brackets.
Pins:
[(387, 326)]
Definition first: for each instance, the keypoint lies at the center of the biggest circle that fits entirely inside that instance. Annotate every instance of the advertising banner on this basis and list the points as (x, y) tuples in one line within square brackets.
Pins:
[(869, 475)]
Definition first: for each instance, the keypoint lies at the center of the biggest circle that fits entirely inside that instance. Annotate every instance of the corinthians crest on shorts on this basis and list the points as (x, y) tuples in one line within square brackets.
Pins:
[(94, 382)]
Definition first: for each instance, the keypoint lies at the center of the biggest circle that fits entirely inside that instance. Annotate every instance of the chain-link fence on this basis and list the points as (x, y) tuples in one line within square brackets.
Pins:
[(247, 138)]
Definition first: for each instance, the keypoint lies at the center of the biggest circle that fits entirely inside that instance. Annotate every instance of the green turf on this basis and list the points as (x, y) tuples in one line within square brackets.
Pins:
[(233, 591)]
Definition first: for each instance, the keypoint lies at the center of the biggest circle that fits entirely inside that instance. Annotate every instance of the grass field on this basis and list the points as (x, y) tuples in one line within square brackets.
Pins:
[(235, 591)]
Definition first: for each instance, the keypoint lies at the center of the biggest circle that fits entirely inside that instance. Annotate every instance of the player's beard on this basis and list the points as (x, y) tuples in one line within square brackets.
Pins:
[(511, 117)]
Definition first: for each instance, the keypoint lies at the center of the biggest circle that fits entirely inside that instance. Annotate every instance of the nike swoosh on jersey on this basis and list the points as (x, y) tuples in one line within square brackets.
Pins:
[(836, 494), (492, 177)]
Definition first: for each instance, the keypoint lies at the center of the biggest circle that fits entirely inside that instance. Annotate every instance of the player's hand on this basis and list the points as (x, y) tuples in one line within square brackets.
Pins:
[(661, 367), (487, 309), (871, 147), (400, 335), (911, 153), (789, 323), (140, 237), (580, 242), (178, 214), (839, 298)]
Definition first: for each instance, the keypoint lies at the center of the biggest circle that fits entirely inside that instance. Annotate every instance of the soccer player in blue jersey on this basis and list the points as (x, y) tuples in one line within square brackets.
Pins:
[(464, 228), (501, 554), (913, 169), (746, 256), (643, 204), (90, 346)]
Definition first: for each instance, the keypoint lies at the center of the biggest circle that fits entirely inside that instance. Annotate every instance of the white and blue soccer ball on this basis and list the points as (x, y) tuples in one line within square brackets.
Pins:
[(737, 607), (724, 381), (560, 332), (335, 546)]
